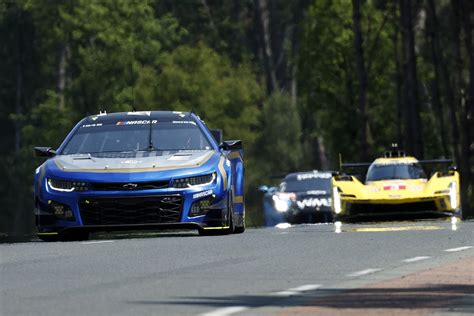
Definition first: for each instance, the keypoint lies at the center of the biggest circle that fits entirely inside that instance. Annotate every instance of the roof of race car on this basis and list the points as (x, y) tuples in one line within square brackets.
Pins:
[(155, 115), (394, 161)]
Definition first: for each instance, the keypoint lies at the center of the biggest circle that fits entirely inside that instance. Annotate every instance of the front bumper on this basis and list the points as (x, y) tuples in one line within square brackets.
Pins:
[(434, 204), (295, 215), (131, 210)]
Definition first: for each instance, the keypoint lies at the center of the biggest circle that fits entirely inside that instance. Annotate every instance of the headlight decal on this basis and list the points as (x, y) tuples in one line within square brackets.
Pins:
[(190, 182), (67, 186)]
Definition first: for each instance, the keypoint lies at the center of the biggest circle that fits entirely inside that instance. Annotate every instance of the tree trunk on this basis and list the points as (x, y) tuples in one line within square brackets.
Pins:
[(467, 110), (413, 132), (457, 86), (398, 82), (322, 153), (212, 25), (362, 78), (19, 81), (435, 49), (62, 67), (264, 16)]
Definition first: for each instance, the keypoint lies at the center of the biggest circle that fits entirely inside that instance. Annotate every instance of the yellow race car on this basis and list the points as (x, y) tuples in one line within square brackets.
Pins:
[(396, 184)]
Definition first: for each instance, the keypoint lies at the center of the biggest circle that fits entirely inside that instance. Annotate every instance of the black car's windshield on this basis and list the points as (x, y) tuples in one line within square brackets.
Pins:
[(134, 135), (395, 171), (321, 182)]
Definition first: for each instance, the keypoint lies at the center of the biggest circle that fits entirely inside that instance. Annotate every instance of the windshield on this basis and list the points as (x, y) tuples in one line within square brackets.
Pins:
[(395, 171), (134, 135), (294, 185)]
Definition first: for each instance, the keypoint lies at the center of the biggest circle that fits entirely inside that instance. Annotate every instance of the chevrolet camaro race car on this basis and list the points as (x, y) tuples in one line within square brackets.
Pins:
[(396, 184), (139, 170), (301, 197)]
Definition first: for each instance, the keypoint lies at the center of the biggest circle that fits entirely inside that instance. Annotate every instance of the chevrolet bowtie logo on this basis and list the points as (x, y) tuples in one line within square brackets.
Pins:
[(130, 186)]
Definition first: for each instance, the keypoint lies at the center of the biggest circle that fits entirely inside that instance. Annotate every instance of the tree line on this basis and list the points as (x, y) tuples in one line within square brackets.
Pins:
[(300, 82)]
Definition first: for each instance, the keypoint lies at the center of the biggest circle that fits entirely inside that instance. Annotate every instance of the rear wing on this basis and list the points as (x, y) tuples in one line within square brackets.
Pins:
[(358, 169), (436, 162)]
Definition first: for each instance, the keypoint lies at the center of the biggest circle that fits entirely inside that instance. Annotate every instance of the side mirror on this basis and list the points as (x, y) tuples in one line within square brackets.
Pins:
[(263, 188), (231, 145), (217, 134), (44, 152)]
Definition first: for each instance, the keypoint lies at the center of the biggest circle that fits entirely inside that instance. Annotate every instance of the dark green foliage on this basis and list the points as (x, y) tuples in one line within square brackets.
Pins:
[(289, 90)]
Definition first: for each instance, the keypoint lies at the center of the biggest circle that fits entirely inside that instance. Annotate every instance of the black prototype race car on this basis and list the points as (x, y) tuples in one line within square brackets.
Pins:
[(301, 197)]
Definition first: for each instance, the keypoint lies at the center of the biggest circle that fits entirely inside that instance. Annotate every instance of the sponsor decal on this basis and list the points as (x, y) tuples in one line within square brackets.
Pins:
[(147, 113), (415, 187), (181, 114), (314, 202), (202, 194), (91, 125), (314, 175), (394, 162), (184, 122), (394, 187), (138, 122), (316, 192), (131, 161), (180, 157)]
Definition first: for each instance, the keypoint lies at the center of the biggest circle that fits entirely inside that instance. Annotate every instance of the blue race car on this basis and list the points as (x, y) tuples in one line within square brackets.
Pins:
[(139, 170)]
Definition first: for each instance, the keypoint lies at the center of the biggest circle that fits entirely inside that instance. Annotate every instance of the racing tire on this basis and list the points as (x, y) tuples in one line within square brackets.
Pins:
[(225, 231), (49, 238), (78, 236), (240, 229), (230, 209)]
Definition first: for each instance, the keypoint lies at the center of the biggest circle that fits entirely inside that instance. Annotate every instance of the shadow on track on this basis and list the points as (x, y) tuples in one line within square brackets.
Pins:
[(430, 297)]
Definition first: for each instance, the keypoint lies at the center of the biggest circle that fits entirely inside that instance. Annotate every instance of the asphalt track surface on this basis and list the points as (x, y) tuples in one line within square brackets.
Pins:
[(264, 271)]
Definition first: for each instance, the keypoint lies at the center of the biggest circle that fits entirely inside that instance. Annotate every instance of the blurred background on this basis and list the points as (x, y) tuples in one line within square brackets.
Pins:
[(299, 81)]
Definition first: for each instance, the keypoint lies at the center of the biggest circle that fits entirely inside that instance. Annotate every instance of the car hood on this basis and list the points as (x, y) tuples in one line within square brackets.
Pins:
[(136, 162), (124, 165)]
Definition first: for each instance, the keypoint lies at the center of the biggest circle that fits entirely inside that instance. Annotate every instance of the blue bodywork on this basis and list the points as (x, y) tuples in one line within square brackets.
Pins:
[(225, 193)]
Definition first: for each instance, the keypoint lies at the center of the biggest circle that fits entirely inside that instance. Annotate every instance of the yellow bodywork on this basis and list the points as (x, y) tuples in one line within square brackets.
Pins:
[(440, 193)]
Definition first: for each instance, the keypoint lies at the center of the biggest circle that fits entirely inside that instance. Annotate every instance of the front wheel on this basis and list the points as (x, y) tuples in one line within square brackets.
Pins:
[(239, 229), (77, 236)]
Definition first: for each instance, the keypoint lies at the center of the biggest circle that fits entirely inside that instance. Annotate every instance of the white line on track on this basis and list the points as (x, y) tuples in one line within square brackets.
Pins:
[(415, 259), (458, 249), (97, 242), (226, 311), (297, 290), (363, 272)]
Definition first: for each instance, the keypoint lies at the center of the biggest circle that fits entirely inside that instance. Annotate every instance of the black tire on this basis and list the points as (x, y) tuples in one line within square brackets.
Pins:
[(49, 238), (77, 236), (231, 223), (230, 209), (240, 229)]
